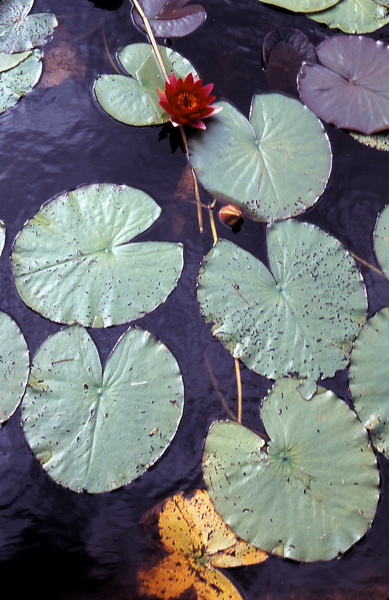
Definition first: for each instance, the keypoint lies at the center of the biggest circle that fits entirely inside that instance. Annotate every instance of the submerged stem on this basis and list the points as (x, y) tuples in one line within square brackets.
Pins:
[(212, 220), (198, 202), (367, 264), (239, 386)]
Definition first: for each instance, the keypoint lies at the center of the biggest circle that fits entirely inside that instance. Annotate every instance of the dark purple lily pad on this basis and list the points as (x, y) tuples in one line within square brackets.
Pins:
[(350, 88), (284, 64), (171, 18), (294, 38)]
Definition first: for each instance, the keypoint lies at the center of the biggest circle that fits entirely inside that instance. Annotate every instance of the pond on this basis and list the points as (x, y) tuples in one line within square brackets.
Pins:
[(69, 545)]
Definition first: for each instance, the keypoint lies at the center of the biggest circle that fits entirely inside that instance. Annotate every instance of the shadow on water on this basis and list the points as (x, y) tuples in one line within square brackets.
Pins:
[(68, 546)]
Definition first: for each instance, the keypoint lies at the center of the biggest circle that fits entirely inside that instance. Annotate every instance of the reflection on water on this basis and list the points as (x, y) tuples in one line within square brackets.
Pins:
[(79, 546)]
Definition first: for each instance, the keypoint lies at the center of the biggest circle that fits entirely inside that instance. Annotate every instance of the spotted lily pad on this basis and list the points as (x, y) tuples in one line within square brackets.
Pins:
[(299, 317), (368, 382), (133, 99), (378, 141), (20, 31), (73, 262), (14, 366), (350, 87), (194, 540), (18, 75), (98, 431), (381, 240), (308, 494), (305, 6), (273, 167), (170, 18), (355, 16)]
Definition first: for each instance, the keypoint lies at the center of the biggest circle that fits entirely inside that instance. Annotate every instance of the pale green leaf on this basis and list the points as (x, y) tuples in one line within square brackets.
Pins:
[(20, 32), (308, 494), (8, 61), (273, 167), (19, 80), (302, 5), (368, 380), (133, 99), (2, 235), (300, 317), (14, 366), (98, 431), (355, 16), (381, 239), (73, 262)]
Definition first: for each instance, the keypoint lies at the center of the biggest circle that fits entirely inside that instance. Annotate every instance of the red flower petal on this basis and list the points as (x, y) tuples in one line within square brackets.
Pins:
[(187, 101)]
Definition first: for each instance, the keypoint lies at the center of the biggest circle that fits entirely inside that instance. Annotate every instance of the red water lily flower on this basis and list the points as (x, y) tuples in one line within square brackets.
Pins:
[(187, 101)]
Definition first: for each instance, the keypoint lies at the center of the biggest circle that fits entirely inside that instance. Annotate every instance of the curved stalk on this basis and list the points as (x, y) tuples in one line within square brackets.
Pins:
[(239, 386), (152, 39), (166, 77)]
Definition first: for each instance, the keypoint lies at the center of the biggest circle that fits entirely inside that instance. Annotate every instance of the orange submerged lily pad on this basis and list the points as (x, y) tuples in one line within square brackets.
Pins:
[(194, 540)]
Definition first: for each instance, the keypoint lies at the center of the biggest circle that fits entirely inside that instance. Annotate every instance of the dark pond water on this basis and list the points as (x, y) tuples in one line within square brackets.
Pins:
[(67, 546)]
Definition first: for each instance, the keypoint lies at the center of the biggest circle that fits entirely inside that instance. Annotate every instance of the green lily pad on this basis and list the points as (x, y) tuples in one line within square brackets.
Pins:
[(8, 61), (308, 494), (18, 81), (73, 262), (381, 240), (14, 366), (302, 5), (134, 100), (368, 381), (20, 32), (2, 235), (300, 317), (98, 431), (273, 167), (355, 16)]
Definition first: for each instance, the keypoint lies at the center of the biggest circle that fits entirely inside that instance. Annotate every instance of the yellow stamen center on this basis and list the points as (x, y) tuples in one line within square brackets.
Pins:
[(187, 100)]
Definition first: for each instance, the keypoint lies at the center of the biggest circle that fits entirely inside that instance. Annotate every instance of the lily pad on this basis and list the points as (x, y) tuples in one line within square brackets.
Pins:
[(134, 100), (273, 167), (171, 18), (304, 6), (381, 240), (351, 86), (368, 382), (20, 32), (18, 80), (194, 540), (73, 262), (98, 431), (2, 235), (283, 52), (378, 141), (8, 61), (291, 37), (308, 494), (355, 16), (14, 366), (300, 317)]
